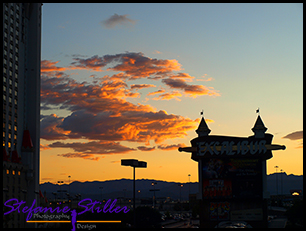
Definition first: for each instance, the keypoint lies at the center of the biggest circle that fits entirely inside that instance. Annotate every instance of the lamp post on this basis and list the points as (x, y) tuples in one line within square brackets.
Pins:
[(69, 184), (60, 182), (276, 167), (135, 164), (154, 190), (281, 181), (180, 185), (189, 183)]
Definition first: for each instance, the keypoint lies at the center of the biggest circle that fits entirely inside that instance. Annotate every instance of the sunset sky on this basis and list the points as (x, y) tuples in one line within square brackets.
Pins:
[(128, 81)]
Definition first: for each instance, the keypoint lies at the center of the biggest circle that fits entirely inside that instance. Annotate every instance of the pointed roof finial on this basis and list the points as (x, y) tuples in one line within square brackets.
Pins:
[(257, 111), (259, 128), (202, 112), (203, 129)]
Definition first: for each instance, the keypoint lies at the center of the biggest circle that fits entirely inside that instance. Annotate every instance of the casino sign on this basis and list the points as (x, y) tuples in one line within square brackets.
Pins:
[(232, 175), (258, 145)]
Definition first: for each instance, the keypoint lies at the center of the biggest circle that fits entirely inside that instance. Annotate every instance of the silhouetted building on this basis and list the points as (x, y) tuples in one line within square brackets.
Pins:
[(232, 175), (21, 105)]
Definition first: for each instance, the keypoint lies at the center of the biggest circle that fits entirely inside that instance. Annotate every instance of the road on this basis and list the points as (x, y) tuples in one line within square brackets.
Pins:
[(278, 223), (275, 223), (181, 224)]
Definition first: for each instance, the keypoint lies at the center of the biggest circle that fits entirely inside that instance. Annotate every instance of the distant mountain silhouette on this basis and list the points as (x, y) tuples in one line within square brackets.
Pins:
[(124, 188), (285, 183)]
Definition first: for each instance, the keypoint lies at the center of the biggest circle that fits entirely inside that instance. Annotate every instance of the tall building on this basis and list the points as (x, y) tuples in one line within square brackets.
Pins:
[(21, 105)]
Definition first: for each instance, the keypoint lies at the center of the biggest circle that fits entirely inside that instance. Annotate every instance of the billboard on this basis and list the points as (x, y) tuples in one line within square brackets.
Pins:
[(231, 178), (219, 211)]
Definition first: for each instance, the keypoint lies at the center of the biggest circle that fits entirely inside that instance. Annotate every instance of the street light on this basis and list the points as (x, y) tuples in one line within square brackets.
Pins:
[(69, 183), (189, 183), (154, 190), (180, 185), (60, 182), (135, 164), (276, 167), (281, 181)]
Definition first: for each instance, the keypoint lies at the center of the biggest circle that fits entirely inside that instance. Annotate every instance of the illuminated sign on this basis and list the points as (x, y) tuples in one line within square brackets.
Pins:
[(216, 146), (232, 174), (230, 148)]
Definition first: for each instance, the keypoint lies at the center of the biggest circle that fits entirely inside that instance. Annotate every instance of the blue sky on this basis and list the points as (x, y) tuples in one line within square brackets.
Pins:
[(251, 53)]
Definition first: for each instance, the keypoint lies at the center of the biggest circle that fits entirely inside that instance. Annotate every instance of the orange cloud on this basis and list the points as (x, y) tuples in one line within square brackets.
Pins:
[(156, 92), (94, 63), (168, 96), (206, 80), (185, 76), (140, 86), (80, 155), (133, 65), (100, 111), (157, 52), (50, 125), (189, 89), (48, 66), (44, 147)]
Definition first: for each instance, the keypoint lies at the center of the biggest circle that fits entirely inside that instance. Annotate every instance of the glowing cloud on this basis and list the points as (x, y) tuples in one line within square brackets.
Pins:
[(100, 110), (47, 66), (190, 90), (134, 65), (140, 86), (168, 96)]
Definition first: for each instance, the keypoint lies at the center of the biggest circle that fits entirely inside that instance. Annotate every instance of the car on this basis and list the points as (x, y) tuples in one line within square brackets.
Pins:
[(233, 224)]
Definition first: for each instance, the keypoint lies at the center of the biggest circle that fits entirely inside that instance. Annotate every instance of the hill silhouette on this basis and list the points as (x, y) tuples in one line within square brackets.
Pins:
[(124, 187)]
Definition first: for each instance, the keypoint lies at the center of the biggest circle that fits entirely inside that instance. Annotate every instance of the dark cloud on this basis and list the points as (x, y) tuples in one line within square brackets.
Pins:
[(294, 135), (95, 63), (133, 65), (191, 90), (140, 86), (146, 149), (94, 147), (101, 112), (49, 129), (116, 19), (170, 147), (85, 156)]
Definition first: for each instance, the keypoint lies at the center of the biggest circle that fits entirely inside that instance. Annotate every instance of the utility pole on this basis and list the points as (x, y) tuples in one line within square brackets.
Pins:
[(135, 164), (281, 181), (189, 183), (276, 167)]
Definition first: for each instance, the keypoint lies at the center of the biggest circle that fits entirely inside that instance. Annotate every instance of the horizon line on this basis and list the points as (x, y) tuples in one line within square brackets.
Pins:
[(150, 179)]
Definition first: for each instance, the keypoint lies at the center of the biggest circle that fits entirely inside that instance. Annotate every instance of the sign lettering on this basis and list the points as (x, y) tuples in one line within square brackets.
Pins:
[(231, 148)]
